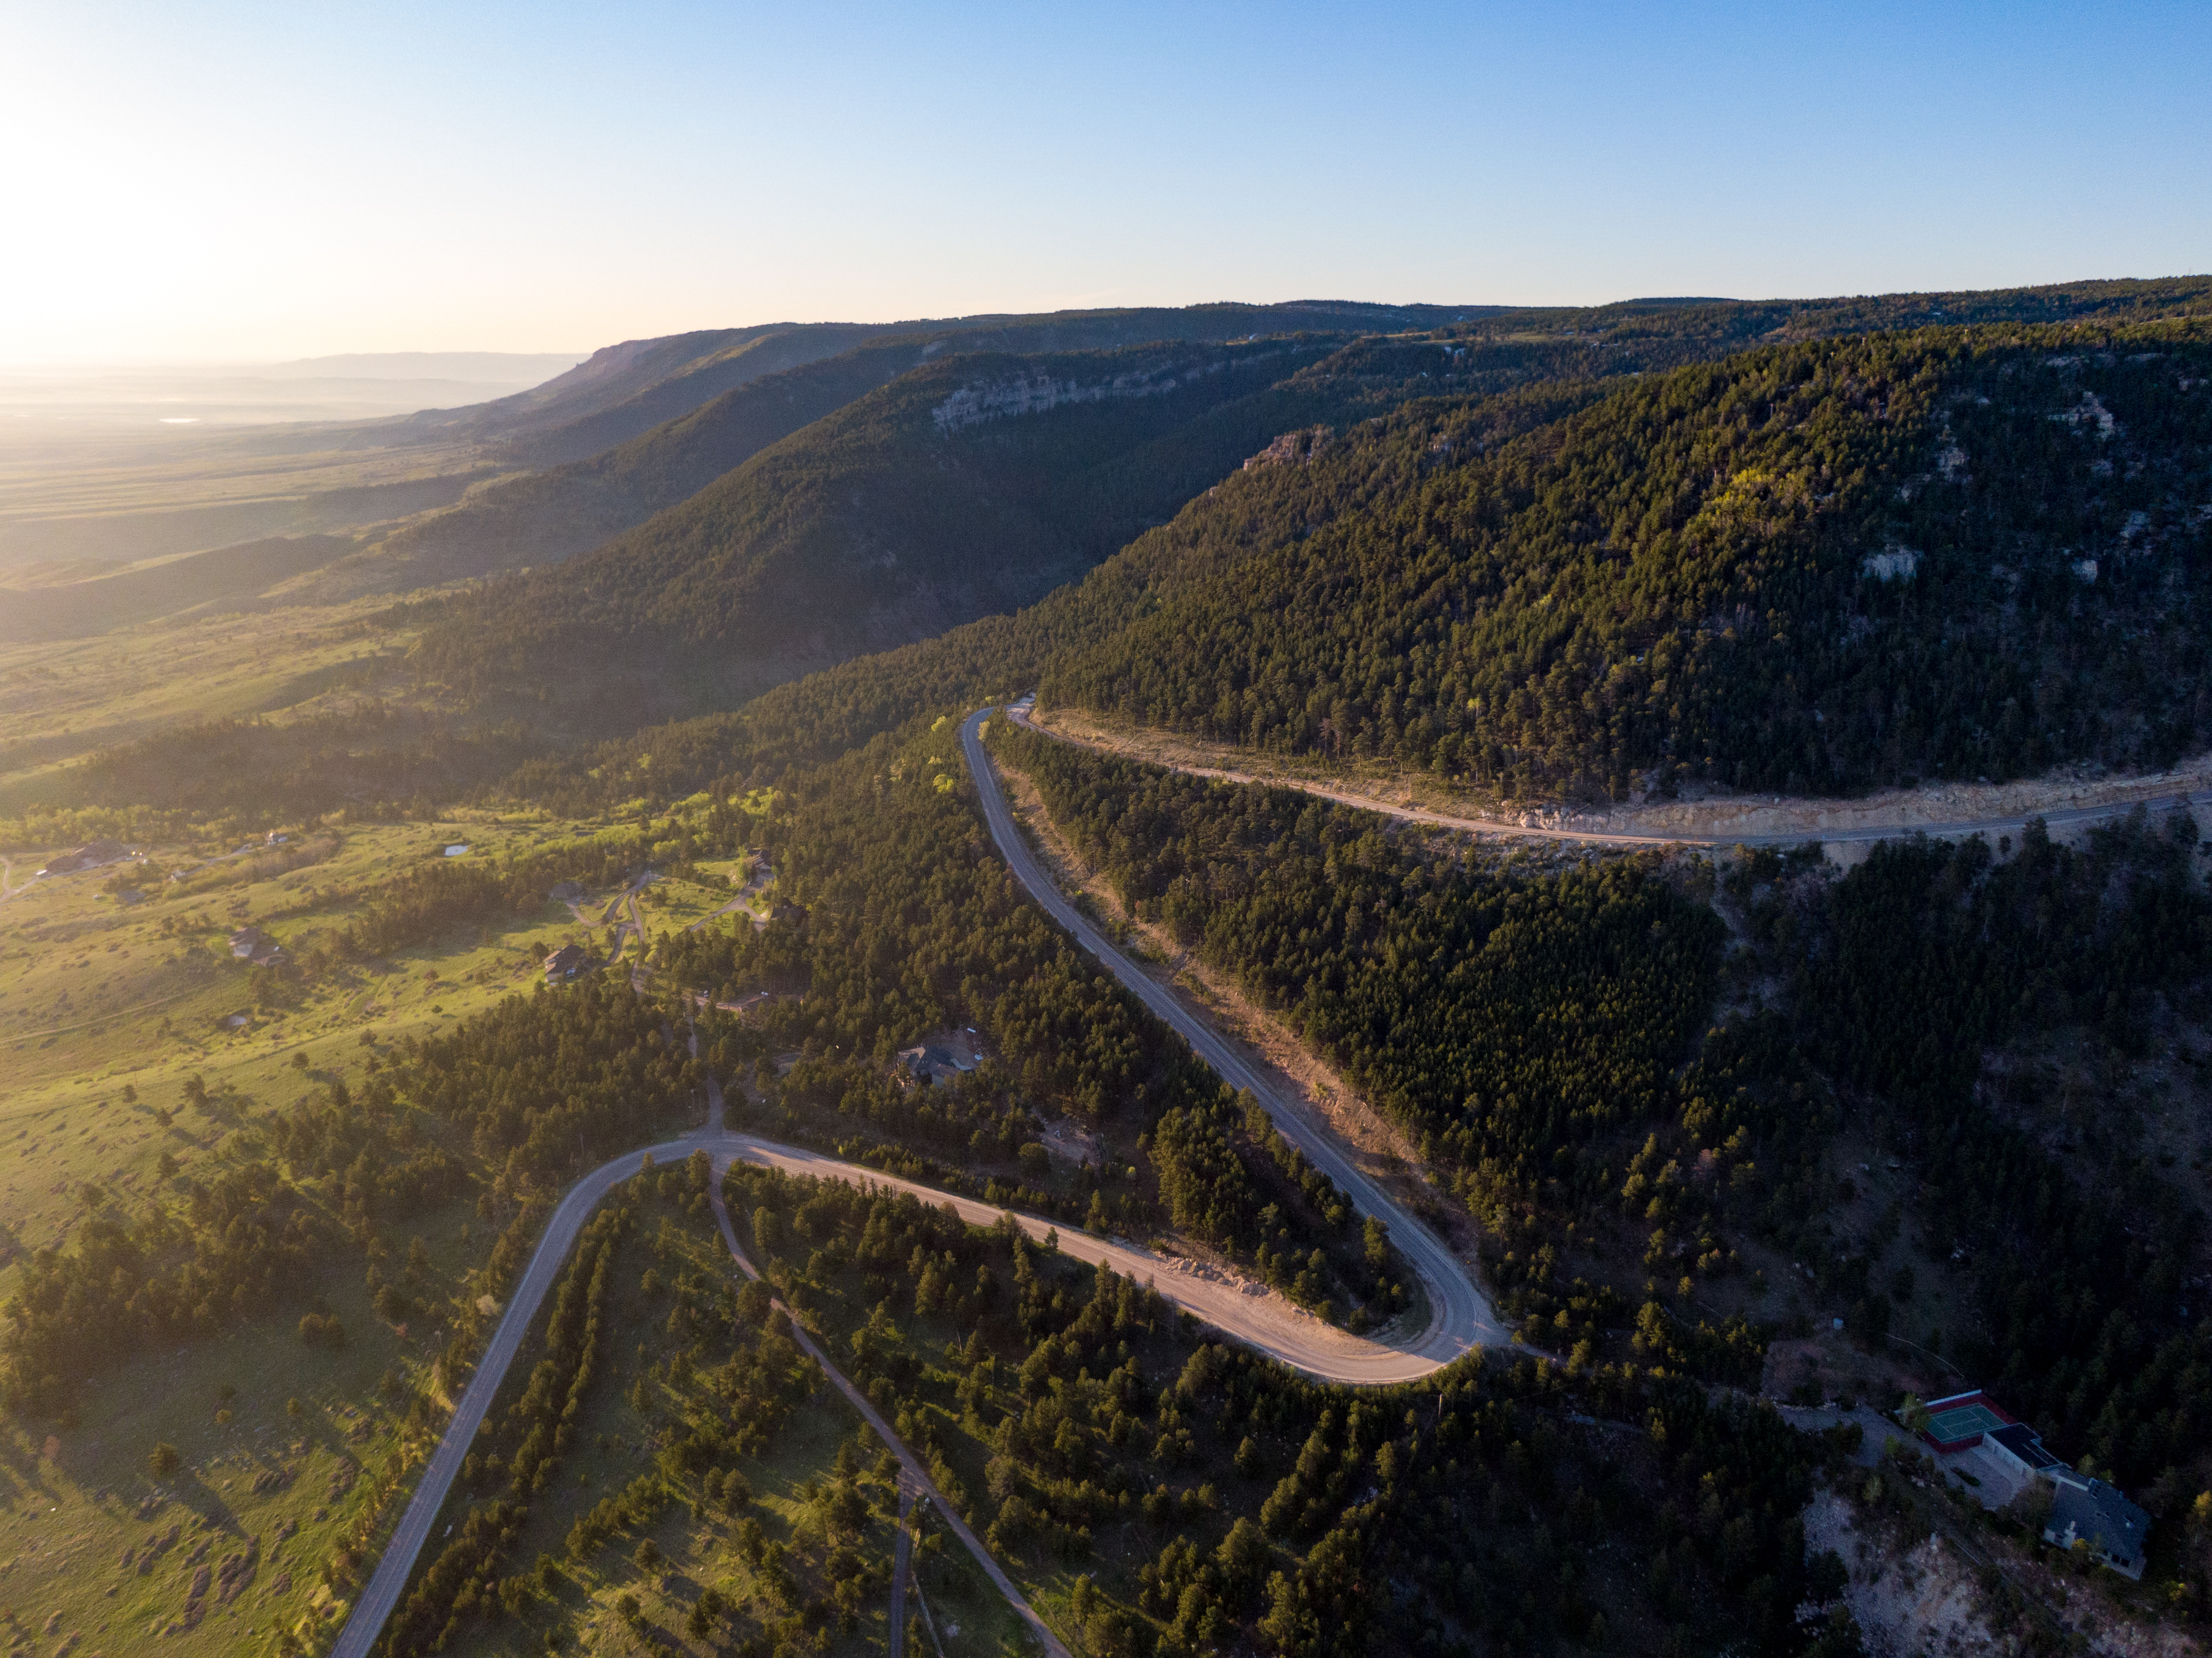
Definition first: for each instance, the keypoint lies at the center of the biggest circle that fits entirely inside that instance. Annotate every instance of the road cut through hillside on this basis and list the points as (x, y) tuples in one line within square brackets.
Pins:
[(1460, 1317), (2063, 805)]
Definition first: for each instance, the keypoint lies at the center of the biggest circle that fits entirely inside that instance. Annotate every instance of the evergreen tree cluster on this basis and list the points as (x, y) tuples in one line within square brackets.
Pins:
[(1507, 1023), (1064, 1411), (1927, 958), (1813, 568)]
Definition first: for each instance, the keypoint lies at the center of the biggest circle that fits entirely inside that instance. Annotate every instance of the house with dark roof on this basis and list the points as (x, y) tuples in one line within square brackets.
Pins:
[(1974, 1430), (2087, 1513), (566, 963)]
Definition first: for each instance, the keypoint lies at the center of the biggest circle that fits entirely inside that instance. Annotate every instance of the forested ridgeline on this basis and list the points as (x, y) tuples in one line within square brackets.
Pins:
[(615, 474), (1720, 326), (972, 485), (507, 1102), (1929, 958), (623, 392), (1280, 493), (1206, 1497), (1812, 567)]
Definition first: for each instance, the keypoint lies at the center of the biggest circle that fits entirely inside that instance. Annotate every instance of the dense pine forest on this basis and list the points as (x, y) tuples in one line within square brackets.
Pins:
[(1907, 973), (1811, 569)]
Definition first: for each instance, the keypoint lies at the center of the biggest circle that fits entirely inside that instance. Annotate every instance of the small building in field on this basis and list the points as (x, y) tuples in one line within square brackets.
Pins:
[(254, 947), (566, 963)]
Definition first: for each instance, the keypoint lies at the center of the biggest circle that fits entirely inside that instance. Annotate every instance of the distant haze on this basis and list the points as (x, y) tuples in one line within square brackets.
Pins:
[(519, 369), (357, 386)]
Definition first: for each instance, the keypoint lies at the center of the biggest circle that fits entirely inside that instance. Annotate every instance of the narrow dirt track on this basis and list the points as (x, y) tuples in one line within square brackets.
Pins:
[(2059, 819)]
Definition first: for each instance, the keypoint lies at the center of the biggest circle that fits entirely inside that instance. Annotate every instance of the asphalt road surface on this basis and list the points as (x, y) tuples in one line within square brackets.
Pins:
[(1460, 1316), (902, 1562), (2064, 818)]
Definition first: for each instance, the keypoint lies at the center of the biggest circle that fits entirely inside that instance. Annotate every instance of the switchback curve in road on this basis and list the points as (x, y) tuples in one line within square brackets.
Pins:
[(1460, 1317), (397, 1563), (1267, 1322), (1856, 835)]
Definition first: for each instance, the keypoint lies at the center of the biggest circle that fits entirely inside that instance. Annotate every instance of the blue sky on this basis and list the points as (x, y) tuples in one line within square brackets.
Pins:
[(241, 181)]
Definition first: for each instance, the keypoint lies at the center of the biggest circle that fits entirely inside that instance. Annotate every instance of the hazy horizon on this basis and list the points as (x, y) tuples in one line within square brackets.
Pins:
[(248, 185)]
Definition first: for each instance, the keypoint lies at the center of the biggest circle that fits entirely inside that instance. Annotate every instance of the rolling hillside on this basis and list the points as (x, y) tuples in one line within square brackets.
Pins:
[(973, 484), (543, 517), (1957, 552)]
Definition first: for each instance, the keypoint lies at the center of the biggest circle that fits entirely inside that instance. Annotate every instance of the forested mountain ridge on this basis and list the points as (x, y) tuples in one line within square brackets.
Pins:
[(1809, 569), (543, 517), (640, 425), (972, 484), (534, 519), (1268, 501), (1461, 377), (621, 392), (676, 395), (1722, 325)]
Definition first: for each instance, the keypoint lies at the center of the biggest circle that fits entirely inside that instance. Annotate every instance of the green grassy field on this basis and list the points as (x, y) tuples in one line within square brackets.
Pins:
[(108, 1007), (62, 698), (98, 995), (286, 1453)]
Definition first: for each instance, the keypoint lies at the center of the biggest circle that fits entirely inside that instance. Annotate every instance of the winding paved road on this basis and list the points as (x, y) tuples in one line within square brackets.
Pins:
[(1460, 1317), (1860, 834), (1265, 1321)]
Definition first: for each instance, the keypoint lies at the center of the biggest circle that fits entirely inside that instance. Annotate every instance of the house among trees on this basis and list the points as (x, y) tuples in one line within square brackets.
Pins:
[(566, 963), (252, 945), (941, 1061), (2088, 1512), (2085, 1512)]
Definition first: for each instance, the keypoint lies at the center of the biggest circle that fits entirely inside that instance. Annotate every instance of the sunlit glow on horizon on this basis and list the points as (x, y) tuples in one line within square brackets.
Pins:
[(253, 185)]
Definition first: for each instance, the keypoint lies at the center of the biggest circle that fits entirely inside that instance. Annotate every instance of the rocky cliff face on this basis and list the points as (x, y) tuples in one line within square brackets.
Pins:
[(1034, 394)]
